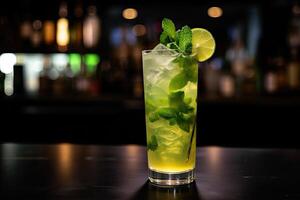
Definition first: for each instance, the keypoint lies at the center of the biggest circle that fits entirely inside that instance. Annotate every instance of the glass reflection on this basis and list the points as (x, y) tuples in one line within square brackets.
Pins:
[(65, 157), (133, 153), (149, 191), (214, 156), (8, 162)]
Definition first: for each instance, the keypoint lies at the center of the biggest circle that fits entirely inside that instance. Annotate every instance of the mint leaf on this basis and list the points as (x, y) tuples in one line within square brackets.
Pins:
[(183, 122), (185, 39), (153, 117), (192, 73), (169, 28), (178, 82), (184, 108), (177, 37), (152, 144), (172, 121), (190, 67), (164, 39), (176, 99), (166, 113), (189, 48), (184, 125)]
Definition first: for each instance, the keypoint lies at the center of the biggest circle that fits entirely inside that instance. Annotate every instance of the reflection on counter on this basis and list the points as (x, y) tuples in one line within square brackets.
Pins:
[(64, 162), (149, 192)]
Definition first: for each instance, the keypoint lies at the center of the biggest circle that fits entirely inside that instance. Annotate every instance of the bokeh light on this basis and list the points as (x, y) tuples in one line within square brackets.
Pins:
[(215, 12), (62, 35), (130, 13), (7, 62), (139, 30)]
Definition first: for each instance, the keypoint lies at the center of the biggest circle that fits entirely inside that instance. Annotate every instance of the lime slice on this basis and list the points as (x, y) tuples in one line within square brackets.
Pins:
[(203, 44)]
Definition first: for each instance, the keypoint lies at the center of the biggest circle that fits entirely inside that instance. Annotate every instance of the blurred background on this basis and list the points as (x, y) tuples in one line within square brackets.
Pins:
[(71, 71)]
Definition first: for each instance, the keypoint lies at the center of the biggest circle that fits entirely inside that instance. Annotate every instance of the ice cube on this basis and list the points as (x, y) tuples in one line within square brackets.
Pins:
[(163, 55), (163, 50), (156, 95), (159, 59)]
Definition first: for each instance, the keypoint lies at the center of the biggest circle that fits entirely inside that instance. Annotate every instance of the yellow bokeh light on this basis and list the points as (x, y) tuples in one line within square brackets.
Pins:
[(63, 35), (130, 13), (215, 12)]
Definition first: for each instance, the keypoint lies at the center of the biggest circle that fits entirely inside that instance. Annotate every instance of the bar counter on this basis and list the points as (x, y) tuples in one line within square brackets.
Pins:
[(67, 171)]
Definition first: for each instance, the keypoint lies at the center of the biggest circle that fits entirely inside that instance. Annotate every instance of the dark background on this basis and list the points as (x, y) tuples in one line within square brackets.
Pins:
[(255, 117)]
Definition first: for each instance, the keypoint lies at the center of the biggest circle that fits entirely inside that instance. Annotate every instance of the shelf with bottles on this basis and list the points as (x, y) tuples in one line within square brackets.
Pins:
[(84, 76), (238, 79), (49, 74), (68, 75), (73, 27)]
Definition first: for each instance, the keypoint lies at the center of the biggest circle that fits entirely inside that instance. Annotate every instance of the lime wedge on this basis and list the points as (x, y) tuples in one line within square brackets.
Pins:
[(203, 44)]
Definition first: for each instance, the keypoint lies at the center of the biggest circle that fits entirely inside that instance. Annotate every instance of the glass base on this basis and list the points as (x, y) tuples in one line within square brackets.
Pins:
[(171, 179)]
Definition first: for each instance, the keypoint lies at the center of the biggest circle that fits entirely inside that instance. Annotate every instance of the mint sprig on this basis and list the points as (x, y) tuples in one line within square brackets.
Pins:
[(180, 40)]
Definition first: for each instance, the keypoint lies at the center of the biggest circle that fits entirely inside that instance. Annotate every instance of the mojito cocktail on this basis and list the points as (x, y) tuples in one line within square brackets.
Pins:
[(170, 87)]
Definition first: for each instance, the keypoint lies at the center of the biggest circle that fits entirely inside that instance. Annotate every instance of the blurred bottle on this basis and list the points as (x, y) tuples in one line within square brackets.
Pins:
[(59, 85), (281, 71), (293, 37), (293, 73), (258, 75), (95, 84), (82, 81), (49, 32), (18, 84), (91, 28), (106, 76), (227, 82), (62, 29), (271, 78), (45, 82), (93, 73), (36, 36), (25, 33), (250, 81), (239, 60), (69, 80), (76, 32), (271, 82)]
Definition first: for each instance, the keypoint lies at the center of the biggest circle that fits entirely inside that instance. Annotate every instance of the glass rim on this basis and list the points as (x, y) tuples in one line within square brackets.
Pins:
[(149, 50)]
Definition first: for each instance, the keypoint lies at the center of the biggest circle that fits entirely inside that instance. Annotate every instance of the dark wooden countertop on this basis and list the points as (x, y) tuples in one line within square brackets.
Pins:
[(82, 172)]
